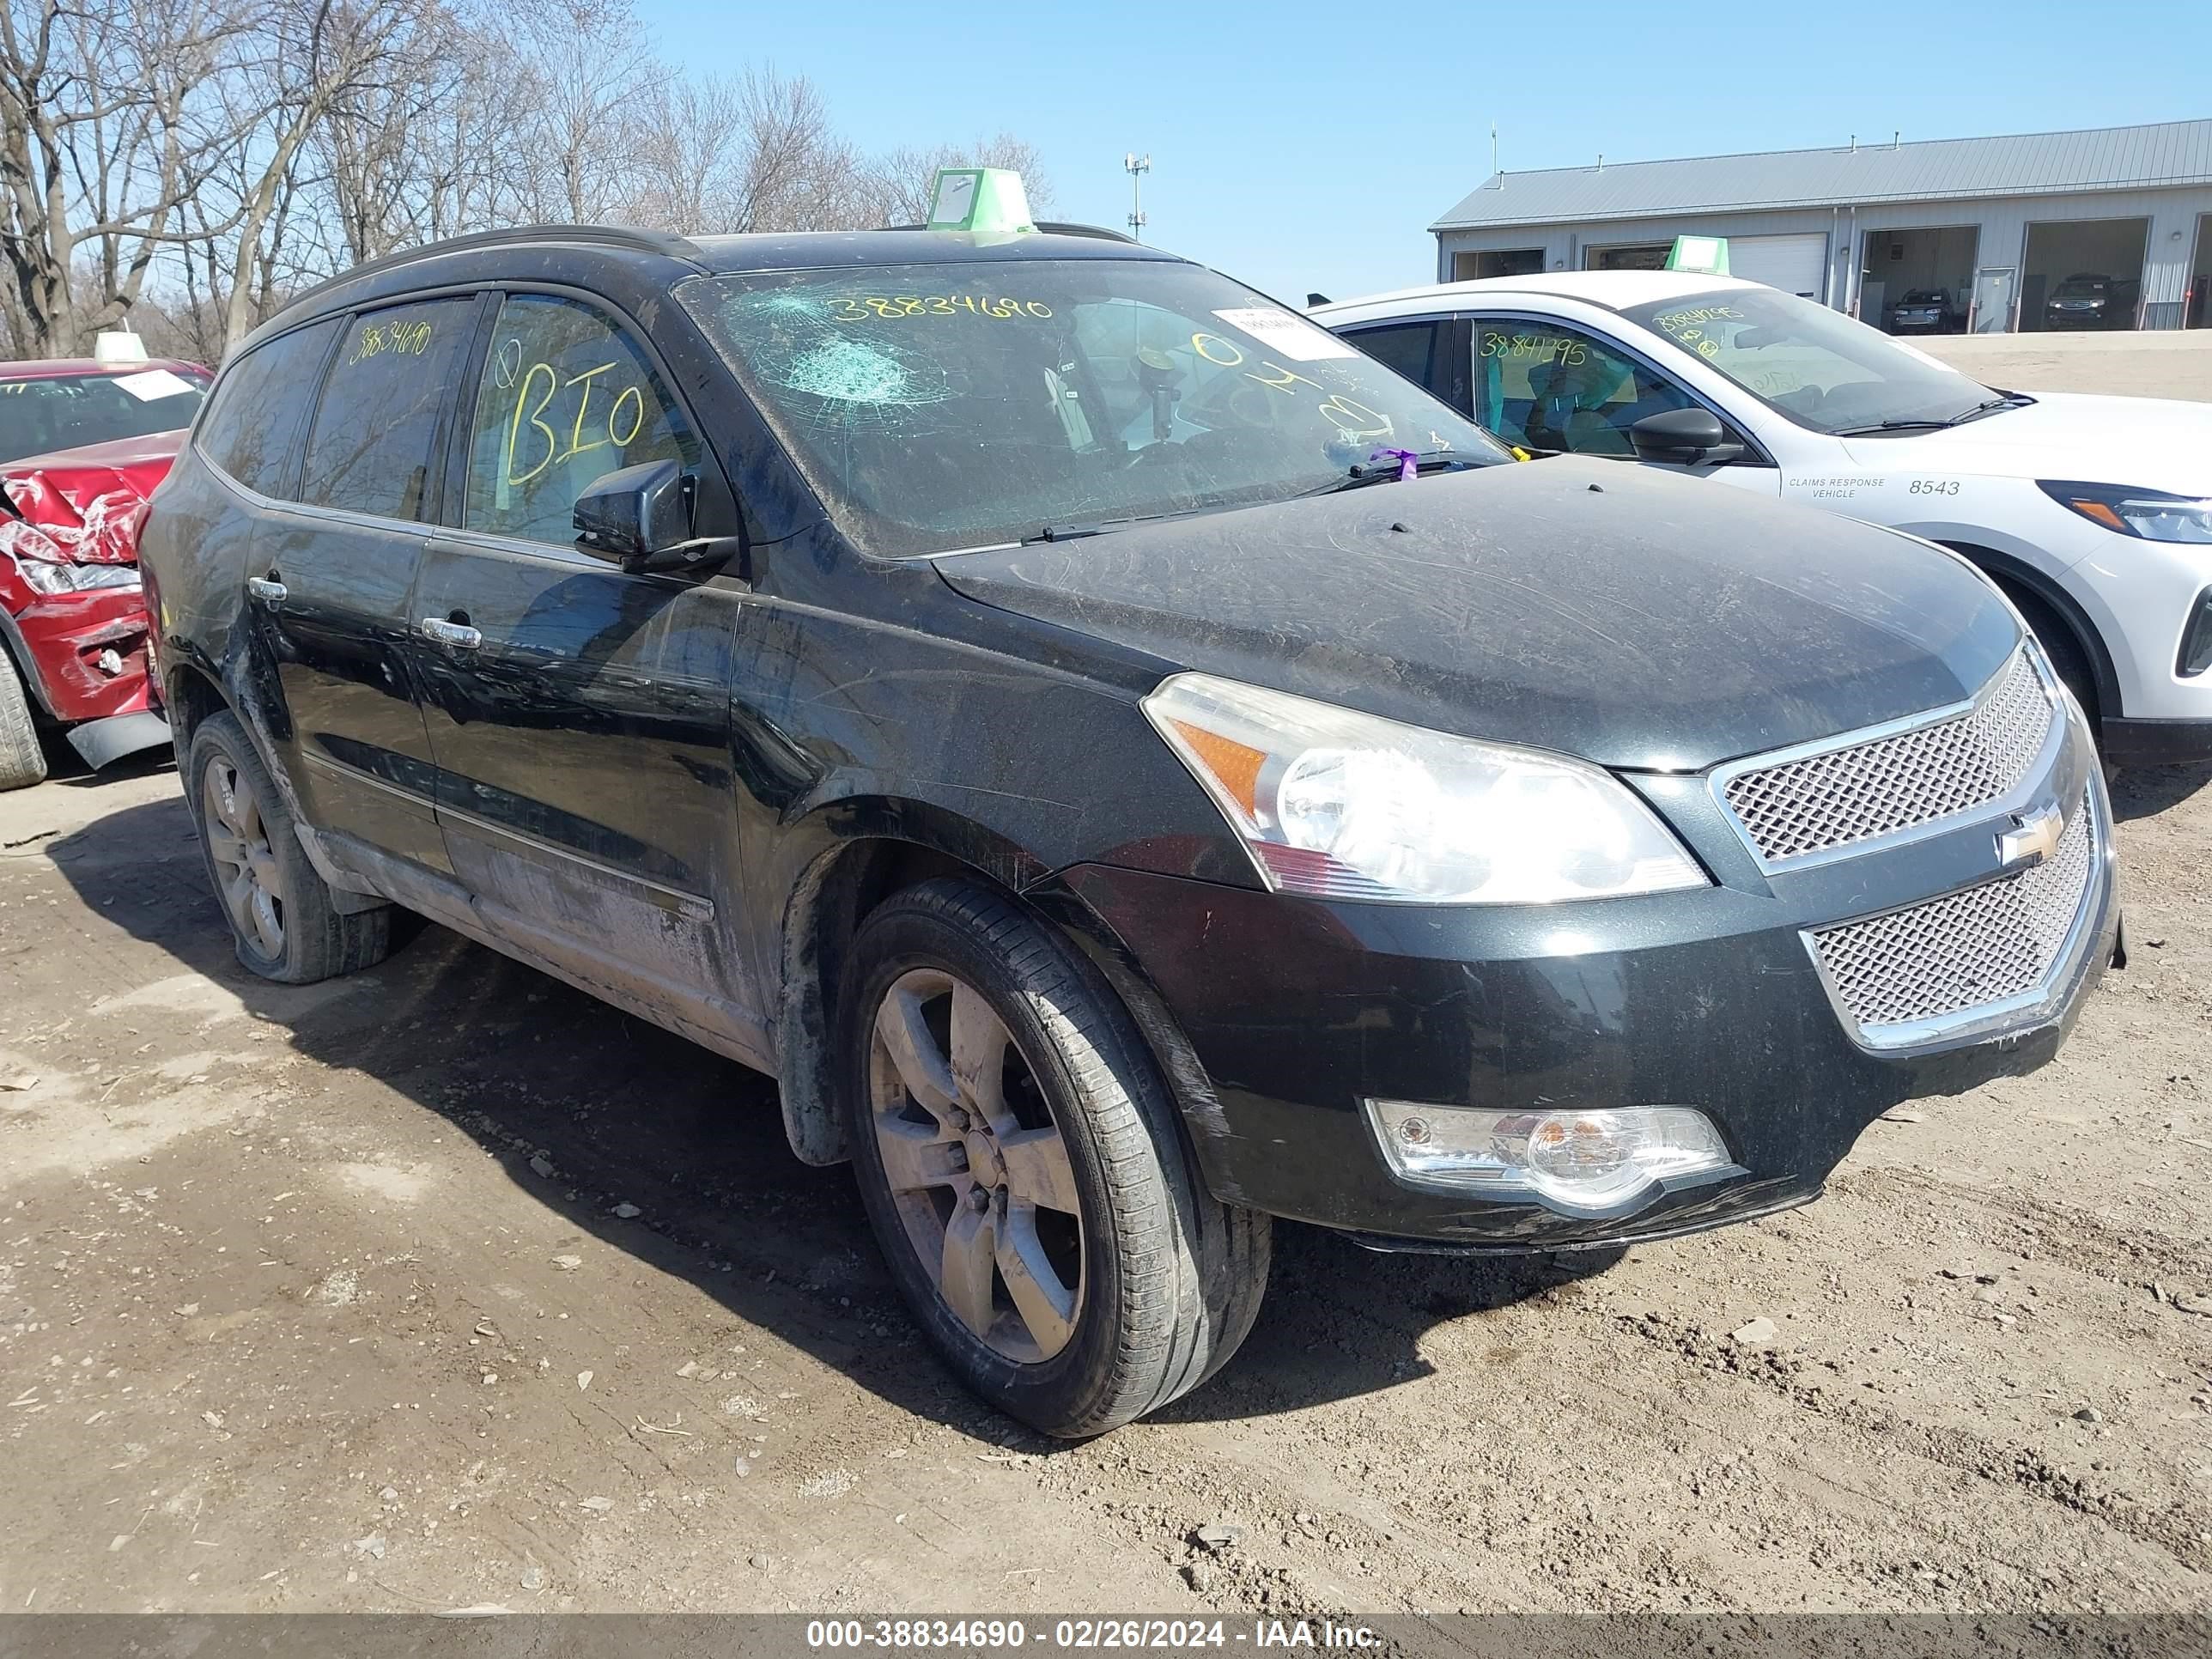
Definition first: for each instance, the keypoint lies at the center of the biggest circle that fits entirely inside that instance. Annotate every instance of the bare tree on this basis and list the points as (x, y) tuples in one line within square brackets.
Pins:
[(586, 64), (202, 160), (100, 144), (755, 152)]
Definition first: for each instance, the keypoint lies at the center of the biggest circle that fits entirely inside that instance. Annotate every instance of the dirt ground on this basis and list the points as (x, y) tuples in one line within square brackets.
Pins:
[(445, 1286)]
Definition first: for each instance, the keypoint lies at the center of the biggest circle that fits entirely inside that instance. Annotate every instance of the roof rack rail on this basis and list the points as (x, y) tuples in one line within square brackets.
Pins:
[(1066, 227), (1058, 227), (645, 241)]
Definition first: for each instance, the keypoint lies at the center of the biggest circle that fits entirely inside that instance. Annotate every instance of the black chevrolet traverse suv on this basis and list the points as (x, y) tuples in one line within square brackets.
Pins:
[(1130, 766)]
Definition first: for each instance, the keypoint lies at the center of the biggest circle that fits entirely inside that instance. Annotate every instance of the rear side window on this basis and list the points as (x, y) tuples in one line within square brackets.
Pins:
[(259, 406), (567, 397), (1409, 348), (377, 419)]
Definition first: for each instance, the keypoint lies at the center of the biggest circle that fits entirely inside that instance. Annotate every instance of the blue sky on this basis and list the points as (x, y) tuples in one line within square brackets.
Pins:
[(1306, 147)]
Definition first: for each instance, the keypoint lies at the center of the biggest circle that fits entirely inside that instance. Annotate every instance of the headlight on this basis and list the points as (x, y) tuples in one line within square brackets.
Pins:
[(1340, 804), (2152, 515), (43, 576)]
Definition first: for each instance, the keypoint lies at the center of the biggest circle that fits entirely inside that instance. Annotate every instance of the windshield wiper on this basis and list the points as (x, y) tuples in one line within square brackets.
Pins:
[(1987, 406), (1065, 532), (1364, 473), (1990, 405)]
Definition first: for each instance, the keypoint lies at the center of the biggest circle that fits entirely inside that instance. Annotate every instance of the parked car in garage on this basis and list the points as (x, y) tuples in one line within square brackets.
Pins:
[(1926, 311), (82, 444), (1130, 765), (2087, 300), (2091, 512)]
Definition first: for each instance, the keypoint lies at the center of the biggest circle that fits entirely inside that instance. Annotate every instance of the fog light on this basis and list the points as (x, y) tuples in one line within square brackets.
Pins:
[(1598, 1161)]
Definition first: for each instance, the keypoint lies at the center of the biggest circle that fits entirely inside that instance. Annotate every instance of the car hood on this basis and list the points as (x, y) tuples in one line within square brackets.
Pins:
[(2143, 443), (1632, 618), (80, 506)]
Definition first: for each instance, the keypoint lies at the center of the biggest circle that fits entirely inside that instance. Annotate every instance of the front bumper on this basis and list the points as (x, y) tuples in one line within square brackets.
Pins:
[(2156, 742), (1297, 1011), (85, 652)]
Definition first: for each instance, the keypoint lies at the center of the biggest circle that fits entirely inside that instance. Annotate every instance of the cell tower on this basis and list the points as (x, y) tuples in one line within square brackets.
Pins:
[(1136, 167)]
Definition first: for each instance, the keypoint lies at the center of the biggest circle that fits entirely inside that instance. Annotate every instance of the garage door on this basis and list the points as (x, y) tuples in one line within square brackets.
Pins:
[(1792, 263)]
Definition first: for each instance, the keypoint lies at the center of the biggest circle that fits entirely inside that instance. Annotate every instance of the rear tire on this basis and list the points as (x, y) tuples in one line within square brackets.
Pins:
[(22, 762), (281, 918), (983, 1063)]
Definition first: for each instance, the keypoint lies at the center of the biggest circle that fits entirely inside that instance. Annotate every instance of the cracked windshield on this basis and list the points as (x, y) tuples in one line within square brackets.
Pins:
[(942, 407)]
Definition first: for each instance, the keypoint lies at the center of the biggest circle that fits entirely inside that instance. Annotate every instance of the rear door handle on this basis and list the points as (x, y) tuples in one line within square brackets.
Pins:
[(458, 635), (266, 588)]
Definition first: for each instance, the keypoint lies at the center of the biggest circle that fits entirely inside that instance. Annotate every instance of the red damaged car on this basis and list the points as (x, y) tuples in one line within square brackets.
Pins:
[(83, 443)]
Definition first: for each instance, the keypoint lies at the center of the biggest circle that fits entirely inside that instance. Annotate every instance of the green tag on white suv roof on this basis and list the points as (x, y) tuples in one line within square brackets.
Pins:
[(984, 199)]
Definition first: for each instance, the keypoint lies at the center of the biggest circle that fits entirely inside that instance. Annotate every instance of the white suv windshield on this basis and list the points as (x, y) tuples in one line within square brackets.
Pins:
[(943, 406), (1818, 367)]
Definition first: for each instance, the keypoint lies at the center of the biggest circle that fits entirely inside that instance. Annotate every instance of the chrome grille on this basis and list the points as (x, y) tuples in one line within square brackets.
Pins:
[(1965, 950), (1839, 796)]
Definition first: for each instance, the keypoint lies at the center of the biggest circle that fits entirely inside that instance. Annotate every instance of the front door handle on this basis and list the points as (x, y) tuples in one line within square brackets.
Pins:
[(458, 635), (266, 588)]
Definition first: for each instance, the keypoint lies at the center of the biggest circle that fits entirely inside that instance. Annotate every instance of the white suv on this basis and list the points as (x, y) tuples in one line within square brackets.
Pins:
[(2091, 513)]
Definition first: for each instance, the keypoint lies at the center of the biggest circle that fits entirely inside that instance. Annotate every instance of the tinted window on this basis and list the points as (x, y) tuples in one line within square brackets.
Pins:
[(378, 416), (1546, 386), (64, 410), (567, 397), (257, 409), (1409, 348)]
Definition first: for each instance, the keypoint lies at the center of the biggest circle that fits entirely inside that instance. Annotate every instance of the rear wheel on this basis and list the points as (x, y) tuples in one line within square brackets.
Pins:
[(1026, 1172), (280, 910), (22, 762)]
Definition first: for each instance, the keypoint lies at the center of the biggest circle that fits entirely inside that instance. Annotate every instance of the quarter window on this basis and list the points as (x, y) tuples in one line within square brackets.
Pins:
[(250, 427), (377, 421), (1548, 387), (566, 397)]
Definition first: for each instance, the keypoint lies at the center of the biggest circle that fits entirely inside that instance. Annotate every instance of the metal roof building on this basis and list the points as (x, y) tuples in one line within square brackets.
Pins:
[(2119, 218)]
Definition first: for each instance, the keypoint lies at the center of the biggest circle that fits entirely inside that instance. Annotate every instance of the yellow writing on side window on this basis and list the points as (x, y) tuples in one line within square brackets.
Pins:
[(623, 416), (389, 339), (1539, 348)]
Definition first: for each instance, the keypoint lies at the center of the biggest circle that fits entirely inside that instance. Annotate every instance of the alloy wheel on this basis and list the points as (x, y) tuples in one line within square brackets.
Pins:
[(247, 878), (977, 1168)]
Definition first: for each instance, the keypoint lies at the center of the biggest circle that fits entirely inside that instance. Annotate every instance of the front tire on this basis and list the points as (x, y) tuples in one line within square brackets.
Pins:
[(22, 762), (1024, 1168), (282, 917)]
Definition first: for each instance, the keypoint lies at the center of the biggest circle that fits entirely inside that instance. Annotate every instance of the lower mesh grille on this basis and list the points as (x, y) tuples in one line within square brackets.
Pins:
[(1966, 950)]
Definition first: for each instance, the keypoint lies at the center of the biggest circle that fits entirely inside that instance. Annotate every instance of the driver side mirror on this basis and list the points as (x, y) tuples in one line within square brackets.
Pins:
[(1683, 437), (640, 518)]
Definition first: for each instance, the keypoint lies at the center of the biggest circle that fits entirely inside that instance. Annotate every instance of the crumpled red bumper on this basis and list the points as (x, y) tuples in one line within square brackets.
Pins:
[(85, 652)]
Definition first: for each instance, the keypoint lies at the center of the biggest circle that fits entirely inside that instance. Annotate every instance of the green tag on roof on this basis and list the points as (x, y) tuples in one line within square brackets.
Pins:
[(979, 199), (1705, 255)]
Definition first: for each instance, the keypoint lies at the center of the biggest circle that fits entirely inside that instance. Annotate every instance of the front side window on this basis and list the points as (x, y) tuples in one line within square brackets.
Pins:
[(1818, 367), (566, 397), (61, 411), (251, 426), (941, 406), (377, 419), (1549, 387)]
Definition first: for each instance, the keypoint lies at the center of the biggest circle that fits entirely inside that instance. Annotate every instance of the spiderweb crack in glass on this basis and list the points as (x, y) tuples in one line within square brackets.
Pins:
[(1966, 950), (1832, 799)]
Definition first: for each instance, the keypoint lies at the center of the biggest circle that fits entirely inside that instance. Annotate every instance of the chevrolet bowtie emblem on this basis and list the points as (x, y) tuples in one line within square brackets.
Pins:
[(2033, 839)]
